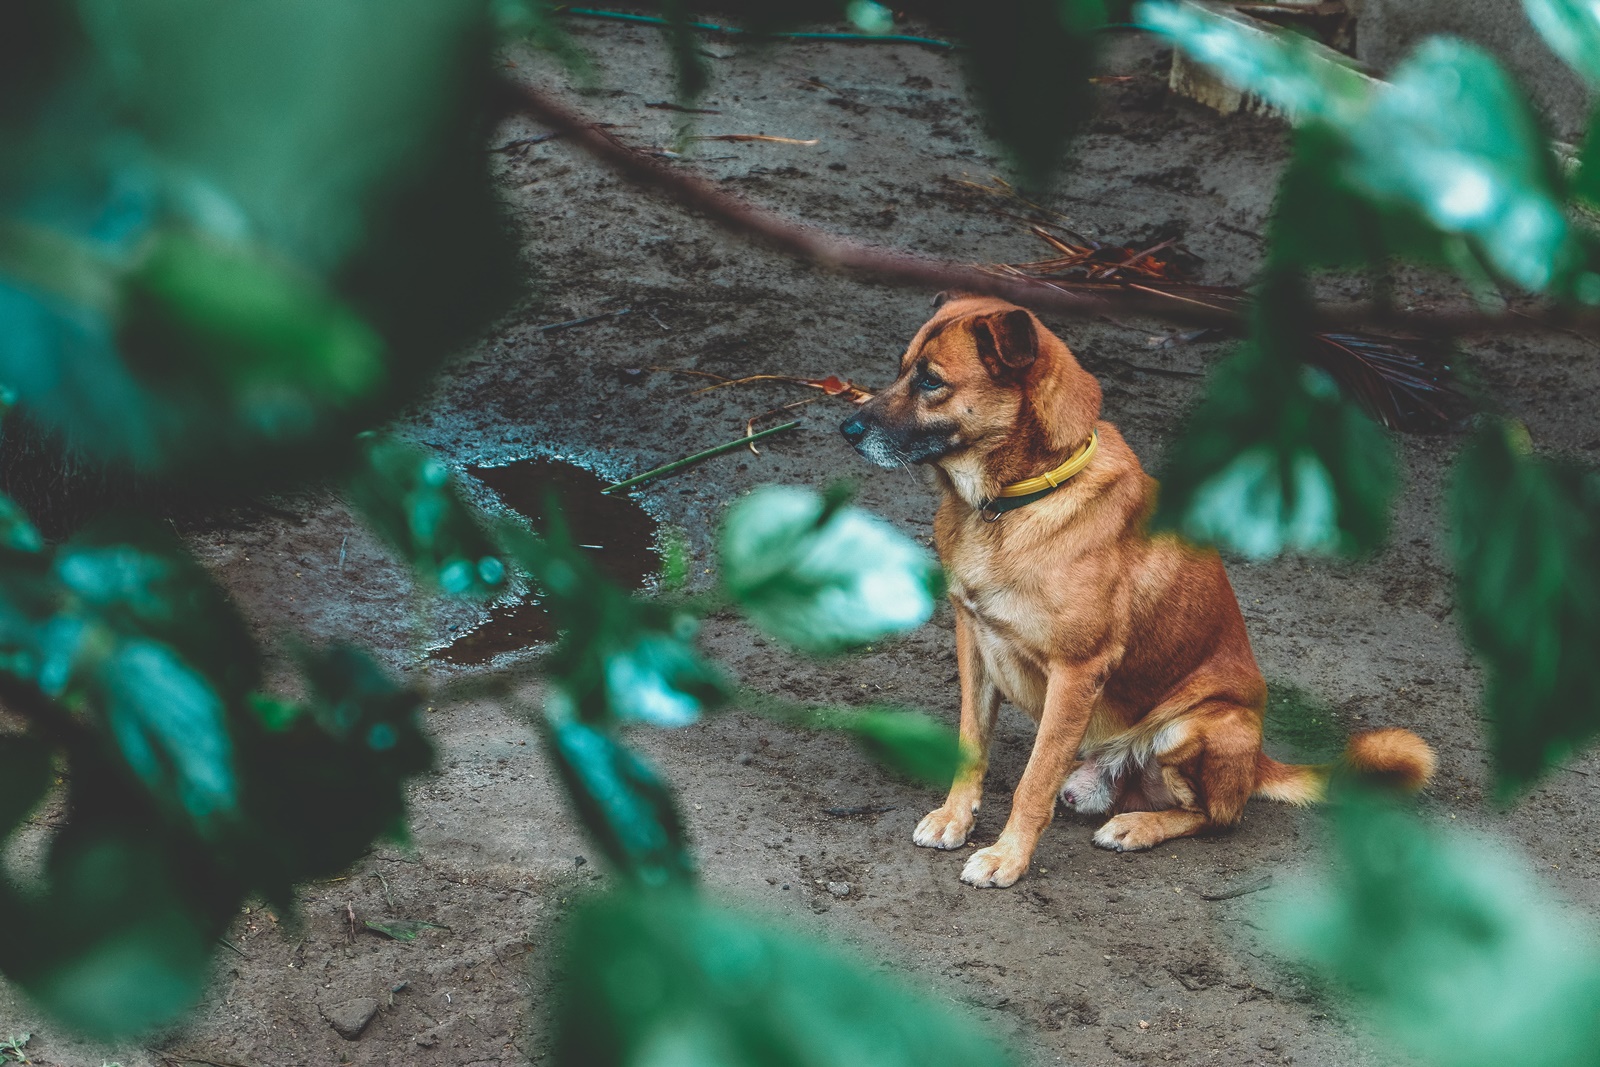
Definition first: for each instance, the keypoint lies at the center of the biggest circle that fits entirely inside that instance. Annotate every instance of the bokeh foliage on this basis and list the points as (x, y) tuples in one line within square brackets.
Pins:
[(233, 236), (1442, 165), (1451, 948), (230, 238)]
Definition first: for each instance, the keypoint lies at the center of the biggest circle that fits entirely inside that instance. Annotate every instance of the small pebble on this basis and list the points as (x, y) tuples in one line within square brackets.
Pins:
[(839, 889)]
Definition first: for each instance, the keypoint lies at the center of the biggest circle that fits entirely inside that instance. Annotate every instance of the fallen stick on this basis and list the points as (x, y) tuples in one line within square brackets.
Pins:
[(583, 321), (751, 137), (726, 446), (1240, 890)]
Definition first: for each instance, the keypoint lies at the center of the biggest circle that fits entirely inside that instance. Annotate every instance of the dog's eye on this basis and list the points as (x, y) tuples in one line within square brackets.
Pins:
[(928, 381)]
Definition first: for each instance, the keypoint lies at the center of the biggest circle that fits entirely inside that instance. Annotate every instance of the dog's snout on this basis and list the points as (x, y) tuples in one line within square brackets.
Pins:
[(854, 429)]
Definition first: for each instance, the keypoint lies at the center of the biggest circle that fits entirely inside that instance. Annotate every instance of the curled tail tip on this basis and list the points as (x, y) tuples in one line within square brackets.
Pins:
[(1392, 757), (1290, 783)]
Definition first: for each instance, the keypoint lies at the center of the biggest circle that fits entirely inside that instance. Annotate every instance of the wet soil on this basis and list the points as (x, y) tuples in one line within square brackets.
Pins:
[(1093, 958)]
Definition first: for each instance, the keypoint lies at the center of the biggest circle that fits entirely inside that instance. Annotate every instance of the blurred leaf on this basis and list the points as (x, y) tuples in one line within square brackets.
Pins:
[(138, 640), (620, 658), (539, 20), (1029, 64), (823, 578), (693, 74), (664, 978), (28, 769), (409, 497), (657, 678), (1526, 540), (17, 532), (109, 946), (1449, 143), (620, 800), (905, 741), (1586, 183), (137, 580), (1447, 944), (1283, 69), (320, 785), (869, 16), (1274, 458), (1452, 139), (171, 729), (1299, 727), (1572, 30), (280, 285), (264, 337)]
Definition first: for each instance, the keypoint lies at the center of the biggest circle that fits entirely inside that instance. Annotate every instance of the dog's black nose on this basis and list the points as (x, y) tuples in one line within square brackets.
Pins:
[(853, 429)]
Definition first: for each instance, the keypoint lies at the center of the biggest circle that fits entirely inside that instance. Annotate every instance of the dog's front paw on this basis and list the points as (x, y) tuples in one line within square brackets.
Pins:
[(995, 867), (1129, 832), (943, 828)]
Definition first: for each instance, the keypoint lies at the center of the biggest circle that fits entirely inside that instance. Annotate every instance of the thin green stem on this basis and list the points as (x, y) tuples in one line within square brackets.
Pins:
[(686, 461)]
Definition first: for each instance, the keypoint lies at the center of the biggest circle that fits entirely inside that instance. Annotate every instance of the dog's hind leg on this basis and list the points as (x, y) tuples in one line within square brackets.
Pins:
[(1208, 774), (948, 825)]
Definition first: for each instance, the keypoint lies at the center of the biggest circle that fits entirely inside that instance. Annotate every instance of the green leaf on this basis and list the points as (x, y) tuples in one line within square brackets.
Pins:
[(17, 532), (632, 661), (1572, 30), (665, 978), (113, 947), (1451, 139), (621, 658), (657, 678), (265, 339), (1029, 63), (822, 578), (620, 800), (171, 729), (1274, 458), (401, 929), (240, 289), (1447, 945), (1525, 533), (408, 496), (905, 741), (320, 785), (29, 770), (1448, 143), (693, 74), (1283, 69)]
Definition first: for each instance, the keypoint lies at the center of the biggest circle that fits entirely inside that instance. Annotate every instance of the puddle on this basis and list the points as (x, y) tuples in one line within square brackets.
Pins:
[(616, 533)]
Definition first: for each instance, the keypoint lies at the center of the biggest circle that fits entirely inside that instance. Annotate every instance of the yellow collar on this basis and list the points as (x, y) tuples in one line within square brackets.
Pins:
[(1053, 478)]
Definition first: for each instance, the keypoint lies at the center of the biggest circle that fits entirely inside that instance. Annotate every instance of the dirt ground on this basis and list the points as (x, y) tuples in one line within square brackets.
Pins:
[(1094, 958)]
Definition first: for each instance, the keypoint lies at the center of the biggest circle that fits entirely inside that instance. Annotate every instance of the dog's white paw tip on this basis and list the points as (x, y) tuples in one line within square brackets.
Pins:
[(939, 829), (1119, 836), (989, 869)]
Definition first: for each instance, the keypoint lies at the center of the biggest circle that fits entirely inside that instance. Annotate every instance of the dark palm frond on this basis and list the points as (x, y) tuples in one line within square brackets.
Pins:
[(1405, 383)]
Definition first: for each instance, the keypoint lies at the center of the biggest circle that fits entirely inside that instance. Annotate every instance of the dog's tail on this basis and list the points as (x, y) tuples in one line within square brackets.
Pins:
[(1395, 758)]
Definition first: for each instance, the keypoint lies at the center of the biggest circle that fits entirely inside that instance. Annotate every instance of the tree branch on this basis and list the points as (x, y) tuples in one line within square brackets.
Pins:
[(889, 267)]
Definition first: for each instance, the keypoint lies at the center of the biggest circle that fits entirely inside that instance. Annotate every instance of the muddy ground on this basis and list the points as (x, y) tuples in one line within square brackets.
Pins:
[(1094, 958)]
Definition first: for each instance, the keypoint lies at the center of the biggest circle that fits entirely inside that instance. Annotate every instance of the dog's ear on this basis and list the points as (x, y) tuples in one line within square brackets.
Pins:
[(941, 298), (1006, 341)]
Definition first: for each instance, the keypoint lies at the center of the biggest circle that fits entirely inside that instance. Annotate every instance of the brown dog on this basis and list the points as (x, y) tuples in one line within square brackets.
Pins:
[(1128, 650)]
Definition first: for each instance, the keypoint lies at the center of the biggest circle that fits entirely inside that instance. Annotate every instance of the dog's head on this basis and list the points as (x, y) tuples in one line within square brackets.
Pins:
[(982, 381)]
